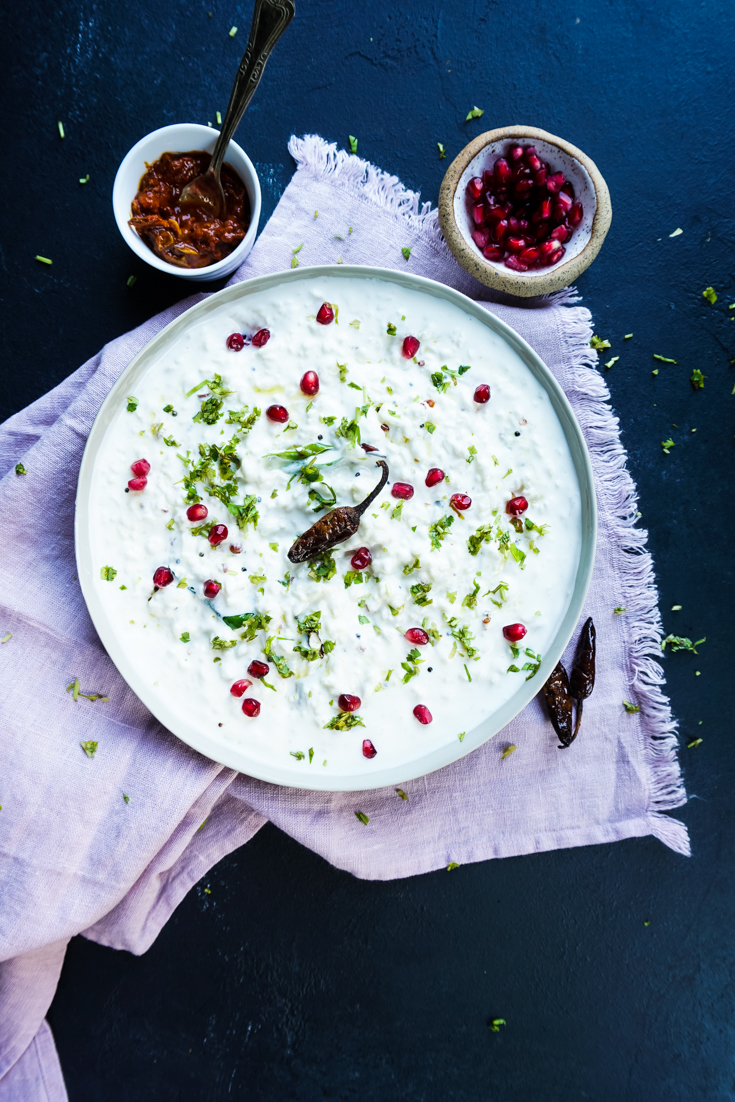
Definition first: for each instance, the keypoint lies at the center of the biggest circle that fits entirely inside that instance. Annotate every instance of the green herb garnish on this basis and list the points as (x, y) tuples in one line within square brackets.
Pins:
[(132, 404), (470, 601), (184, 637), (667, 445), (223, 644), (353, 143), (442, 151), (322, 567), (631, 708), (89, 748), (676, 642), (475, 113), (362, 817), (472, 451), (697, 379), (108, 573), (391, 329), (664, 359), (345, 721), (410, 568), (710, 294), (439, 530), (411, 665), (20, 469), (420, 592)]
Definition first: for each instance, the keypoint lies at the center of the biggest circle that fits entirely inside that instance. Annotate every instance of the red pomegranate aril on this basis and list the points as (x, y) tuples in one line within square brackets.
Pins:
[(251, 707), (559, 233), (422, 713), (539, 178), (261, 337), (549, 248), (481, 238), (348, 703), (368, 750), (211, 588), (532, 159), (474, 187), (309, 383), (543, 211), (516, 506), (523, 226), (513, 224), (516, 244), (325, 314), (514, 632), (279, 414), (140, 467), (488, 180), (404, 490), (137, 483), (495, 213), (516, 153), (558, 255), (530, 256), (493, 252), (410, 347), (217, 534), (564, 201), (417, 636), (162, 577), (499, 229), (482, 394), (568, 188), (361, 558), (235, 342), (239, 688), (258, 669), (524, 188), (501, 172), (460, 502), (576, 214), (197, 512), (478, 213), (515, 263), (554, 182), (436, 474)]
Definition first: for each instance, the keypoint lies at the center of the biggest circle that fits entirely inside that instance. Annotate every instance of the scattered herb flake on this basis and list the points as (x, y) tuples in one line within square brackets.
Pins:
[(7, 637), (690, 746), (452, 865), (345, 721), (599, 344), (475, 113), (185, 637), (391, 329), (508, 751), (664, 359), (676, 232), (232, 32), (44, 260), (132, 404), (438, 531), (89, 748), (20, 469), (131, 281), (406, 251), (472, 450), (627, 336), (298, 754), (495, 1024), (108, 573), (127, 799), (709, 292), (401, 793), (61, 129), (353, 143), (631, 708), (667, 445), (362, 817), (223, 644), (697, 379), (676, 642), (611, 362), (620, 610), (442, 150)]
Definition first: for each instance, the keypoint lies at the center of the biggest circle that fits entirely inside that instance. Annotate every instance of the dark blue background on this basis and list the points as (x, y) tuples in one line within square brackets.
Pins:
[(290, 980)]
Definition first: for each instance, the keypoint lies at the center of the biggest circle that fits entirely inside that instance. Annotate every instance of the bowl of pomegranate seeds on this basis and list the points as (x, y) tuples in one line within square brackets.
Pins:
[(523, 211)]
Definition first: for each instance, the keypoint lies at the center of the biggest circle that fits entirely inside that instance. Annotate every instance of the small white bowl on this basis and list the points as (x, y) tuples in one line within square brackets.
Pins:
[(181, 138)]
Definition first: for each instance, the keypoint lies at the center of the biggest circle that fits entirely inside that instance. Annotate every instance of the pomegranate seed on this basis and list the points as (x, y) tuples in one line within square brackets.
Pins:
[(555, 182), (513, 223), (422, 713), (516, 153), (417, 636), (309, 383), (240, 687), (217, 534), (523, 226), (211, 588), (140, 467), (568, 188), (532, 159), (495, 213), (516, 244), (368, 750), (515, 263), (403, 490), (564, 201), (530, 256), (514, 632), (482, 394), (481, 238), (474, 187), (348, 703), (460, 502), (524, 188), (137, 483), (251, 707), (576, 214), (487, 179), (162, 577), (197, 512), (361, 559), (235, 342), (502, 172), (499, 229), (257, 668), (539, 178), (478, 213), (261, 337), (279, 414), (493, 252), (516, 506), (559, 233), (543, 211), (436, 474), (325, 314), (410, 347)]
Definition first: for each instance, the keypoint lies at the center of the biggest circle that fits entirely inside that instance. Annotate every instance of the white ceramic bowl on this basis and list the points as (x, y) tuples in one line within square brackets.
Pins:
[(180, 138)]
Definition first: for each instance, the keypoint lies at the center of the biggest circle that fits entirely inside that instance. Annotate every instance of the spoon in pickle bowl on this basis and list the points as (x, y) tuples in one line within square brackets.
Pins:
[(270, 19)]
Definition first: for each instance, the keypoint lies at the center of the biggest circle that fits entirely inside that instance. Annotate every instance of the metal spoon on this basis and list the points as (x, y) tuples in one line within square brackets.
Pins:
[(270, 19)]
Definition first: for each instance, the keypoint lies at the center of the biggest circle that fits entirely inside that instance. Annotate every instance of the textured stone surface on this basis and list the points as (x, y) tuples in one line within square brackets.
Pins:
[(280, 978)]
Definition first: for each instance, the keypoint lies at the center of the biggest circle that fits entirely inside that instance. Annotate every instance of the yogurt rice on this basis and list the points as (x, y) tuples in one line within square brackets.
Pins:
[(415, 633)]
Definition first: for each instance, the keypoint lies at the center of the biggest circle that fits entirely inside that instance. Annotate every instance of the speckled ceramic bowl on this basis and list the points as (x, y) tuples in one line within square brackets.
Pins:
[(581, 249)]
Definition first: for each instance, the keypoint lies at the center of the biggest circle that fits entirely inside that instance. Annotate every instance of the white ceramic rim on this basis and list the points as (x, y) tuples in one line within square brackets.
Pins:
[(164, 140), (237, 757)]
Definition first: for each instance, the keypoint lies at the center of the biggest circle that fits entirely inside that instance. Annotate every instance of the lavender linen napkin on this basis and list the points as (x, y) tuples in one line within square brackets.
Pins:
[(76, 857)]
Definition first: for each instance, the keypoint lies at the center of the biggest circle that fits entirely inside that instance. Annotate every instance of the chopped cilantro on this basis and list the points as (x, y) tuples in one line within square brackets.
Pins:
[(470, 601), (223, 644), (430, 427), (710, 294), (620, 610), (185, 637), (243, 418), (501, 588), (391, 330), (464, 637), (406, 252), (322, 567), (7, 637), (126, 798), (409, 569), (599, 344), (420, 592), (411, 665), (232, 32), (452, 597), (350, 431), (401, 793), (508, 751), (353, 143), (461, 736), (363, 619), (168, 409), (452, 865), (664, 359), (667, 445), (396, 511), (697, 379), (484, 534), (278, 661), (256, 579), (468, 673), (611, 362), (84, 179), (131, 281), (353, 577), (20, 469), (108, 573), (474, 113), (170, 442), (631, 708), (132, 404), (44, 260), (442, 151), (298, 754), (89, 748), (677, 643), (362, 817), (472, 452), (627, 336), (438, 531), (690, 746), (495, 1024), (343, 722)]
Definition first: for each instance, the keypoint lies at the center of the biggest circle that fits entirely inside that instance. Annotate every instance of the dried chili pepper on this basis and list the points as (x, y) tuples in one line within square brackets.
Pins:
[(336, 526), (559, 701), (582, 681)]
